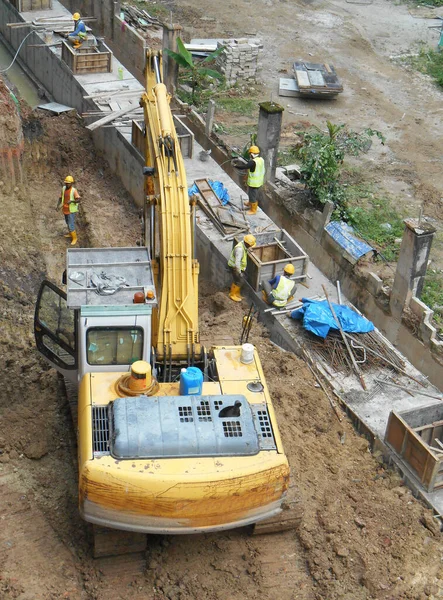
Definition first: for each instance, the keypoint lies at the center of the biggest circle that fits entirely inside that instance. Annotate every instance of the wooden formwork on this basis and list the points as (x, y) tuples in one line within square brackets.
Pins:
[(184, 134), (28, 5), (87, 60), (417, 437), (273, 251)]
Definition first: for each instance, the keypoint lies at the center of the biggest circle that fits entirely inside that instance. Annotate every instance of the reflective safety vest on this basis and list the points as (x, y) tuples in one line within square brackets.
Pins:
[(282, 292), (257, 178), (244, 258), (73, 206), (80, 30)]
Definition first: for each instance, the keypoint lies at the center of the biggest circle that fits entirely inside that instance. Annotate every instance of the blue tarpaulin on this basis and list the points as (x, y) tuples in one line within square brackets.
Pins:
[(218, 188), (317, 318), (343, 234)]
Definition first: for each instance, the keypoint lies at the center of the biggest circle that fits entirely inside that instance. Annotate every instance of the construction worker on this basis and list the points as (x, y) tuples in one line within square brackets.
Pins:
[(280, 290), (69, 199), (237, 263), (256, 177), (79, 35)]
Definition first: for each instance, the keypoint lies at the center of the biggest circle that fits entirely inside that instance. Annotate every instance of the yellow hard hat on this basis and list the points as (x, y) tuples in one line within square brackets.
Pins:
[(289, 269), (76, 16), (254, 150), (250, 240), (69, 179)]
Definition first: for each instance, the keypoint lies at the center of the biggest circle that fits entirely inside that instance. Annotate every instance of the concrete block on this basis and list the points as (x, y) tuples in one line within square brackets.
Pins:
[(374, 284)]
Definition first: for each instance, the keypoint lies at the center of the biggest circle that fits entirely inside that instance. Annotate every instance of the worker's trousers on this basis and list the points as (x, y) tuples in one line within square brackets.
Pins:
[(237, 278), (267, 287)]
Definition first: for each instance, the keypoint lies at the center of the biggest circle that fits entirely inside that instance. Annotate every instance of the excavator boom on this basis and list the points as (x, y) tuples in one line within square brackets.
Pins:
[(176, 334)]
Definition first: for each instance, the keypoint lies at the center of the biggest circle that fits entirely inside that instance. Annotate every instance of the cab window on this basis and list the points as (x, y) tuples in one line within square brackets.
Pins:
[(114, 345)]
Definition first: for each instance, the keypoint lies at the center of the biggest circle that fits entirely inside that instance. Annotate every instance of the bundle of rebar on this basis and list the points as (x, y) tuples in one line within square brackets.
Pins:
[(369, 349)]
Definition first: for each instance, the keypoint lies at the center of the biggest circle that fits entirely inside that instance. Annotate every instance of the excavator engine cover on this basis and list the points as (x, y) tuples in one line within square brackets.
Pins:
[(185, 426)]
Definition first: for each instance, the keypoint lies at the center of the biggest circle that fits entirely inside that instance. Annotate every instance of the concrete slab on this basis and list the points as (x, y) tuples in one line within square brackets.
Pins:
[(55, 107)]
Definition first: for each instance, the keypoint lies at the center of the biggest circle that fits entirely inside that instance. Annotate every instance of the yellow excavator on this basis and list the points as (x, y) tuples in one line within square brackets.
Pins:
[(172, 438)]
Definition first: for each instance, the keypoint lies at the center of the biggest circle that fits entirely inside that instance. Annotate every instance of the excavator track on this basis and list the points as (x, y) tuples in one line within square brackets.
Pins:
[(113, 542), (107, 542), (290, 517)]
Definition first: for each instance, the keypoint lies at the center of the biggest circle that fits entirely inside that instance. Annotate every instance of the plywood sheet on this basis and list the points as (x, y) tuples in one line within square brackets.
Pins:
[(316, 79)]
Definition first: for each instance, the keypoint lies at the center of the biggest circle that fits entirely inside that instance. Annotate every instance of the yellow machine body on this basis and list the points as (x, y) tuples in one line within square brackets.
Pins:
[(182, 494), (175, 323)]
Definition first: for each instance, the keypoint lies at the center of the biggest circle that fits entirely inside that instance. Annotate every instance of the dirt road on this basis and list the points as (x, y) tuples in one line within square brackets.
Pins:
[(363, 535), (363, 40)]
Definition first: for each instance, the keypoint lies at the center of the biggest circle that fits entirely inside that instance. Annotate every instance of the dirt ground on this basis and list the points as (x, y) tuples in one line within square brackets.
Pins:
[(363, 39), (363, 535)]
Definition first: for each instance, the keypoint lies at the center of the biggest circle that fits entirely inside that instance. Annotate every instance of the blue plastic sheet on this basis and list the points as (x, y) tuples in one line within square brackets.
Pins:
[(317, 318), (343, 234), (219, 189), (193, 190)]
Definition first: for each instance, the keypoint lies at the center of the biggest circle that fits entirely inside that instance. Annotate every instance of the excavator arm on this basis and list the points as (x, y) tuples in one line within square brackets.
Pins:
[(171, 219)]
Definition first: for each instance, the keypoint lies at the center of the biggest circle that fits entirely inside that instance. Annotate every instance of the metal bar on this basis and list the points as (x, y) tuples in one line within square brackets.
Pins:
[(339, 293), (404, 388), (351, 354), (311, 365), (393, 365)]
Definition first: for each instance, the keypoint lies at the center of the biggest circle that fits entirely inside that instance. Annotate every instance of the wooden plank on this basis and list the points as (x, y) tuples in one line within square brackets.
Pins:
[(108, 118), (302, 79)]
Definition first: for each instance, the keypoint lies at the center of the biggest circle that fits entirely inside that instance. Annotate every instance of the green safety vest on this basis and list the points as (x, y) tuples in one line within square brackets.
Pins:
[(282, 291), (73, 207), (256, 179), (244, 258)]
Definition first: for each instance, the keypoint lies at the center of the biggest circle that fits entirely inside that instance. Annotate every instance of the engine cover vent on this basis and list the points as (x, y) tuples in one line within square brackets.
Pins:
[(100, 430)]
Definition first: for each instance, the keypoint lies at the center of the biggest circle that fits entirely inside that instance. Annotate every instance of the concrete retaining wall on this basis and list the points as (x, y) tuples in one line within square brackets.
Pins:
[(126, 43)]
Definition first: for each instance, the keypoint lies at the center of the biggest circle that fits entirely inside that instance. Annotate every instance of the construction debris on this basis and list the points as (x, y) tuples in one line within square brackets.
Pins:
[(311, 80), (228, 219), (137, 18)]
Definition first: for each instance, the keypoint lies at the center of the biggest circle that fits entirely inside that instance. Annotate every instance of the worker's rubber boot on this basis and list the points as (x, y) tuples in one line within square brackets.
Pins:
[(254, 206), (74, 238), (234, 293), (253, 210)]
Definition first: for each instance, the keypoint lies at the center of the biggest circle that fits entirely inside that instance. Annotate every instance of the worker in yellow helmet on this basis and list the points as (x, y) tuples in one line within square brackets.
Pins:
[(237, 264), (256, 177), (69, 200), (79, 35), (281, 289)]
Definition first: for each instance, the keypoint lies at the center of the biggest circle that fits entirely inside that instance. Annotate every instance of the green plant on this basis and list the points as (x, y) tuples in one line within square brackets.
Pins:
[(322, 154), (429, 62), (196, 71), (237, 104), (432, 293), (379, 224)]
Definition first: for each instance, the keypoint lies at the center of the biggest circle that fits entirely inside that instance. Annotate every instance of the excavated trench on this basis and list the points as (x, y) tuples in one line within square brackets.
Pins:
[(363, 535)]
